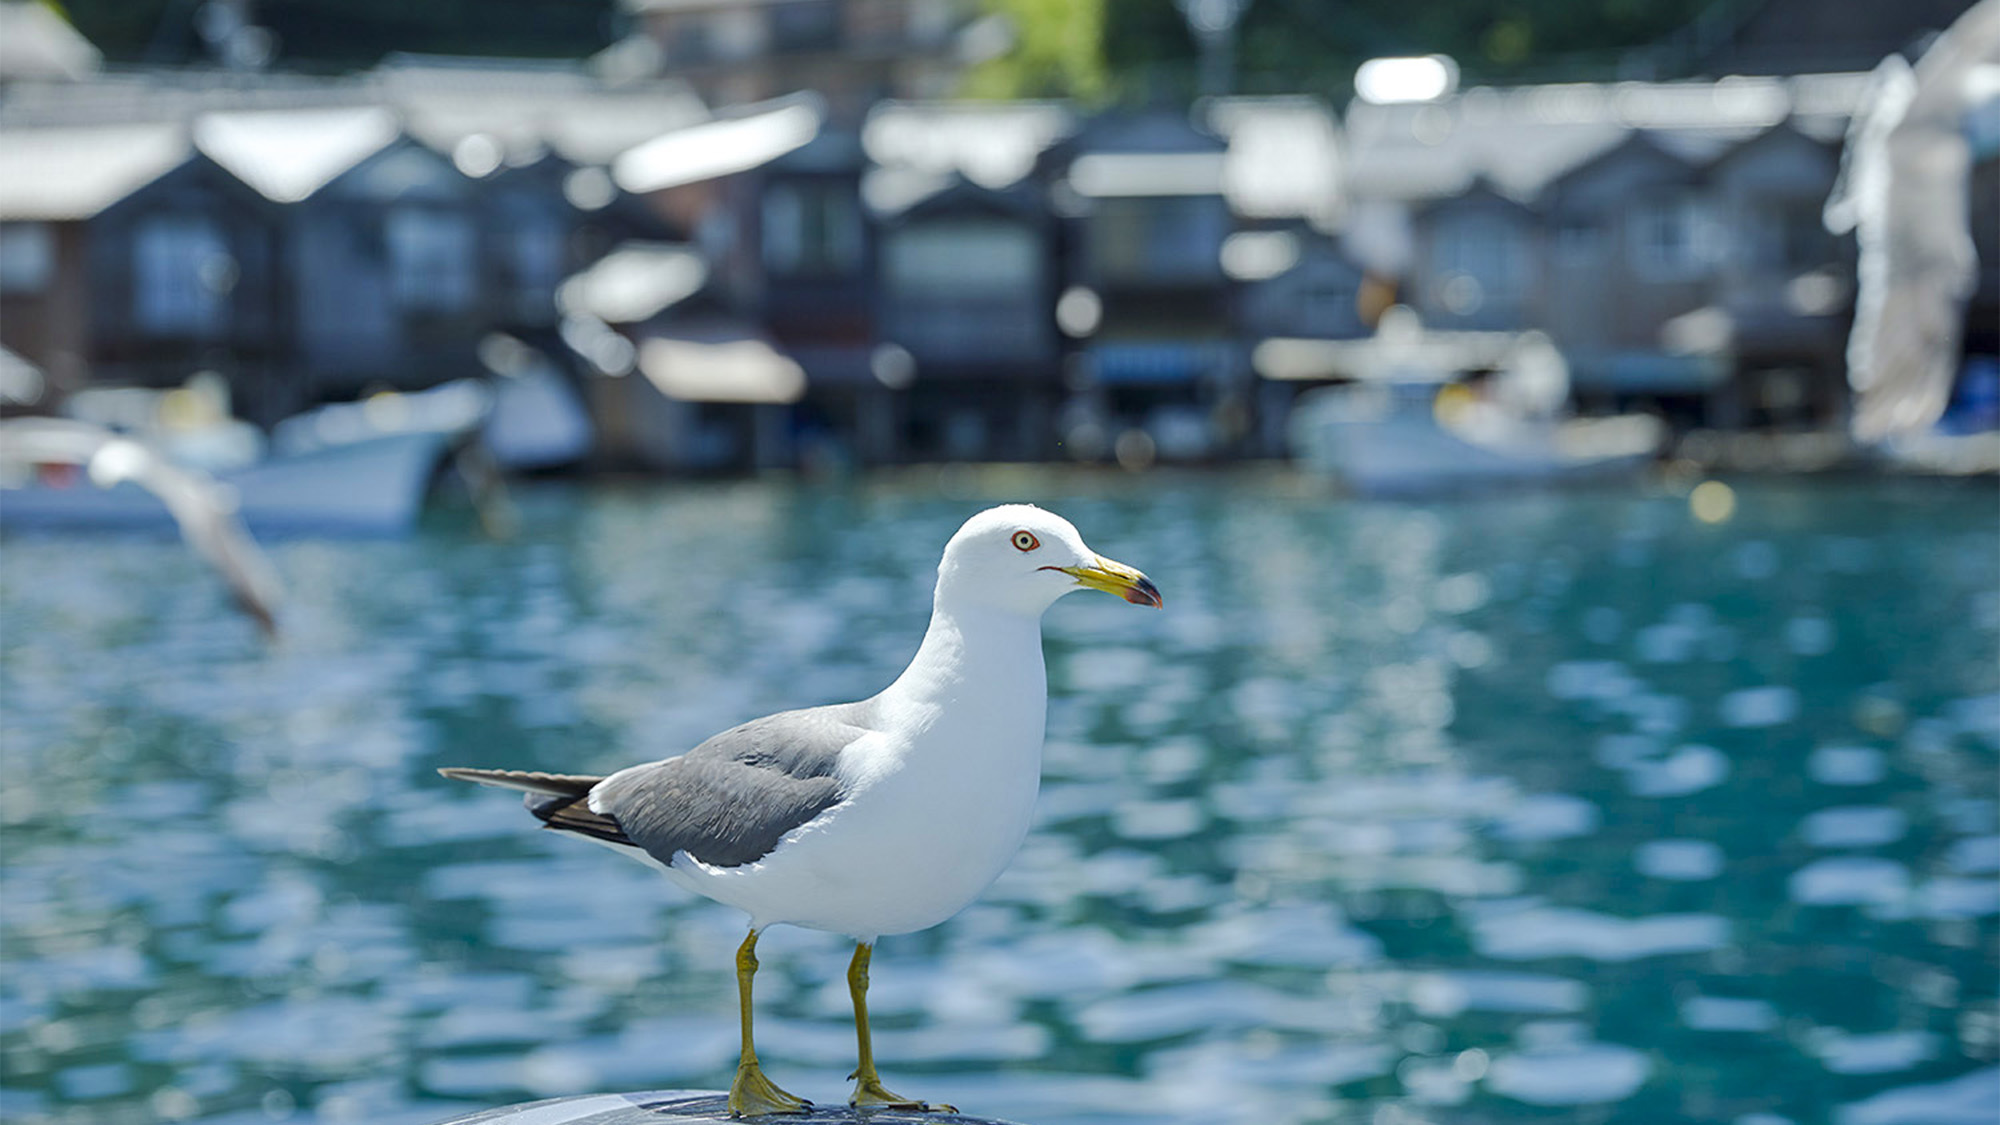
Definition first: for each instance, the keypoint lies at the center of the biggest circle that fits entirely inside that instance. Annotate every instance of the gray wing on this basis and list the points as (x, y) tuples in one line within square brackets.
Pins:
[(1905, 188), (728, 801)]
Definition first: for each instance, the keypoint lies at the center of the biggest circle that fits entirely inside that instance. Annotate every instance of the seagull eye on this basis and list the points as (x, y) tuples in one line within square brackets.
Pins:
[(1026, 540)]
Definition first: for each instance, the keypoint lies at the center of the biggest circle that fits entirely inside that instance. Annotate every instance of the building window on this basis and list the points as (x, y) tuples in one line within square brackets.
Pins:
[(1477, 261), (811, 229), (805, 25), (1787, 236), (969, 258), (1162, 238), (182, 274), (734, 34), (27, 257), (1328, 308), (1579, 239), (538, 251), (431, 260), (1671, 239), (1489, 252)]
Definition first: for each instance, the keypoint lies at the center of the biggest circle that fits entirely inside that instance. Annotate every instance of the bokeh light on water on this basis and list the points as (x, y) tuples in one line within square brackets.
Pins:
[(1579, 807)]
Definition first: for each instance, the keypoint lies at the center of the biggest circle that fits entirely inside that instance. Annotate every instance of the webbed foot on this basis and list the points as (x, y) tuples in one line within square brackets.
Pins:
[(753, 1095), (869, 1092)]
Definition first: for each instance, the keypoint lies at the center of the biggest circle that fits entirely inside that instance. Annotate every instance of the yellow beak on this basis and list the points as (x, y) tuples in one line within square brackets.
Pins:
[(1115, 578)]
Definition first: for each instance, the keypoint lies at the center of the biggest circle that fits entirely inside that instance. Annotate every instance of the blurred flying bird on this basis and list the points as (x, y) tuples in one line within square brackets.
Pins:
[(879, 817), (1903, 189), (204, 509)]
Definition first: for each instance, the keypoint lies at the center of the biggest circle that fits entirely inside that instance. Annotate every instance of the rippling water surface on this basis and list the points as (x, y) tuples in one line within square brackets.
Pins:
[(1535, 808)]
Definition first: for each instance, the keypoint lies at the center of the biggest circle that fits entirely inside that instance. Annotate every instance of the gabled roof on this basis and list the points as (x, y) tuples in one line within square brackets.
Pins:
[(1284, 159), (990, 143), (1133, 174), (1682, 160), (526, 107), (523, 106), (21, 382), (721, 363), (1422, 152), (634, 283), (1525, 138), (918, 195), (287, 155), (36, 43), (1143, 131), (1784, 133), (1481, 192), (723, 147), (54, 175)]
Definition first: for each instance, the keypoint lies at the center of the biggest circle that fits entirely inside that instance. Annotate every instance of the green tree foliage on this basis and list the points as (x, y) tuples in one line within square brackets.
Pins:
[(1144, 49), (1058, 51)]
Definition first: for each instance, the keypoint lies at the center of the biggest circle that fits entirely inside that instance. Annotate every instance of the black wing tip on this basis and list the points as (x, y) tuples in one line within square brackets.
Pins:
[(574, 815)]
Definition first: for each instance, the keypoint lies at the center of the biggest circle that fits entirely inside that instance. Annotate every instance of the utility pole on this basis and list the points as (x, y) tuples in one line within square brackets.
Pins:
[(1213, 23)]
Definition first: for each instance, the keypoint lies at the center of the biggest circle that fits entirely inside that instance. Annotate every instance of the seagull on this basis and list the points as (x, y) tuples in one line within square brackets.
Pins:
[(204, 509), (879, 817), (1904, 189)]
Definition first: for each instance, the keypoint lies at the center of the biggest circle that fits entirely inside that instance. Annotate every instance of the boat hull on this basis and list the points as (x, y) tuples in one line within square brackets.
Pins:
[(1407, 453), (368, 488)]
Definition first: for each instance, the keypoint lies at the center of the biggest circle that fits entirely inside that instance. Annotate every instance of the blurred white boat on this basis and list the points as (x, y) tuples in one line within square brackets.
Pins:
[(1417, 421), (366, 473), (1396, 441), (370, 487)]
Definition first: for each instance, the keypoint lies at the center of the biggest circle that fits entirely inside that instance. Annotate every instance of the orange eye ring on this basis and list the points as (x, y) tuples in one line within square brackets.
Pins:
[(1026, 541)]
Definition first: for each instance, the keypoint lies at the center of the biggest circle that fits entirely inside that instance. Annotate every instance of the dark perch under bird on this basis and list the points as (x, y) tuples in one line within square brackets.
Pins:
[(689, 1107)]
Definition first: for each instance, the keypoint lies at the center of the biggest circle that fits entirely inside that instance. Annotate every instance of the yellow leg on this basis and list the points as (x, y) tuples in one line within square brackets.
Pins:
[(868, 1088), (752, 1094)]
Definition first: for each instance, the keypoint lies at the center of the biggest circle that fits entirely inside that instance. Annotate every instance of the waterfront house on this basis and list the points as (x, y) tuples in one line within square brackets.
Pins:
[(1145, 295), (381, 243), (1478, 262), (1282, 180), (771, 198), (532, 240), (126, 256), (1296, 284), (1637, 247), (1689, 268), (489, 113), (1783, 282), (1629, 221), (967, 319), (1283, 164), (683, 381), (390, 258), (968, 269)]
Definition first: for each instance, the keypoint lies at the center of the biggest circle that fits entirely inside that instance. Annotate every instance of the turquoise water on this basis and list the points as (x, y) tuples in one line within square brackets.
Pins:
[(1547, 808)]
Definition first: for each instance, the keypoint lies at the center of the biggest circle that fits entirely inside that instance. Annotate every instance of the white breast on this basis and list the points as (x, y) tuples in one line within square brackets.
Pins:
[(940, 798)]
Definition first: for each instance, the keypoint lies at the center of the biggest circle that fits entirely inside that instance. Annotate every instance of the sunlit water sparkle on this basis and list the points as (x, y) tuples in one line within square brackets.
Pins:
[(1560, 807)]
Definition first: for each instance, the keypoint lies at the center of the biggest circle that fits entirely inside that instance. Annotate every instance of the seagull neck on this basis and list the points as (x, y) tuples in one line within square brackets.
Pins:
[(992, 649)]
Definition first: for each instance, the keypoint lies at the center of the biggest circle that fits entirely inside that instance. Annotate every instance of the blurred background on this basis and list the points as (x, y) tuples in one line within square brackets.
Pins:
[(1564, 432)]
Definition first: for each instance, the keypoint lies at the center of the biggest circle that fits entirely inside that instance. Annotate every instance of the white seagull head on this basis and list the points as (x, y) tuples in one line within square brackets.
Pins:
[(1021, 559)]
